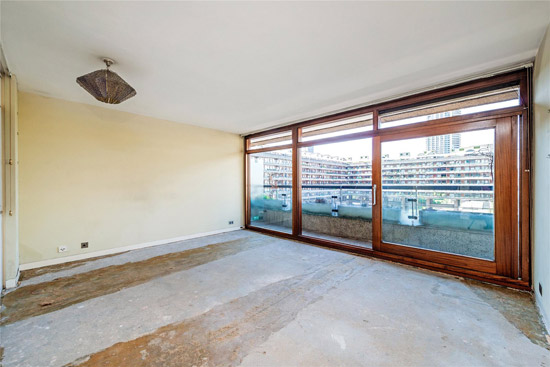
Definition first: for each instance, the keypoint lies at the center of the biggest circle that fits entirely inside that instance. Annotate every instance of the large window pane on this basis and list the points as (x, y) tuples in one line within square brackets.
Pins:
[(270, 175), (454, 106), (438, 193), (336, 192)]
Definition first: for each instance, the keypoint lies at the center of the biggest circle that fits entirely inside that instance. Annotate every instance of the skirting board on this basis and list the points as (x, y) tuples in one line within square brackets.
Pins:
[(116, 250)]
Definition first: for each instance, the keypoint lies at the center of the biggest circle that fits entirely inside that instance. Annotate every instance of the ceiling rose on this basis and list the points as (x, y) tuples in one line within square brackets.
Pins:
[(105, 85)]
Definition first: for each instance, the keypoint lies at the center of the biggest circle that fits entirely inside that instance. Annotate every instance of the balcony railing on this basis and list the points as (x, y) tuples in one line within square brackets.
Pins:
[(449, 218), (458, 206)]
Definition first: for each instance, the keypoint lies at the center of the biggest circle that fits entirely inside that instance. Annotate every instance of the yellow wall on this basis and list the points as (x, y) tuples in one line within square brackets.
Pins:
[(116, 179)]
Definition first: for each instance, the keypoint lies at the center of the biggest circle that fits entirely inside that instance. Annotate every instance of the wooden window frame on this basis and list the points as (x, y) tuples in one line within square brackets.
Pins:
[(499, 271)]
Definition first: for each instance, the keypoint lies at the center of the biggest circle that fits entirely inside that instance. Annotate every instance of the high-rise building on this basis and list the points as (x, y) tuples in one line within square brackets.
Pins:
[(443, 144)]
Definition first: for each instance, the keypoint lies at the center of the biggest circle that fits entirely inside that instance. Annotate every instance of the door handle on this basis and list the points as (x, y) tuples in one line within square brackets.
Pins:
[(374, 195)]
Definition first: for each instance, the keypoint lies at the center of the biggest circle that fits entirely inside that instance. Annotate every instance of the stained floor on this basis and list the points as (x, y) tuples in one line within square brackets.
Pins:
[(246, 299)]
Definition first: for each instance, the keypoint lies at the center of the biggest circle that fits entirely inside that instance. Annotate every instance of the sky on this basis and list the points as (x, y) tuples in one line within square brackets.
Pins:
[(358, 148)]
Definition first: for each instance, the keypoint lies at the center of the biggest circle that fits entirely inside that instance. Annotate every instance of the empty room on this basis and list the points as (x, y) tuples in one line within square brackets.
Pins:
[(278, 183)]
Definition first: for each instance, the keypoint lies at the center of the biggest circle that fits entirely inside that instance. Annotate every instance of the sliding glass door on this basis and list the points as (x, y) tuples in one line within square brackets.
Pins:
[(337, 192), (438, 193), (453, 198), (438, 180)]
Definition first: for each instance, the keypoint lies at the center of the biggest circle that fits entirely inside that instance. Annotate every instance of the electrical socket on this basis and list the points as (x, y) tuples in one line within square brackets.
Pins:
[(84, 245), (62, 249), (230, 222)]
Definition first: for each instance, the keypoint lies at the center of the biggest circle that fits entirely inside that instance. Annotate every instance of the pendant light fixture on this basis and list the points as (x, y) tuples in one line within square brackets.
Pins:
[(105, 85)]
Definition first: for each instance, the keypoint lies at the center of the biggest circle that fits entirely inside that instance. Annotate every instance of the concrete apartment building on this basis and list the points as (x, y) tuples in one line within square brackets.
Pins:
[(274, 183), (443, 144)]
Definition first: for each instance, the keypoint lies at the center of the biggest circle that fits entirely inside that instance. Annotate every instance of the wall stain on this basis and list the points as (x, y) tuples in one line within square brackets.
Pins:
[(42, 298), (227, 333), (517, 307)]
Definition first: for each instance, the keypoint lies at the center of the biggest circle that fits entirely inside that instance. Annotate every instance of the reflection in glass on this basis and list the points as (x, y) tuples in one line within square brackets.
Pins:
[(465, 105), (271, 140), (350, 125), (270, 175), (438, 193)]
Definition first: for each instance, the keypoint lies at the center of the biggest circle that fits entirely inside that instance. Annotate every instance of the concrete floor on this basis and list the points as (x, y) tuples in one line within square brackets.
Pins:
[(246, 299)]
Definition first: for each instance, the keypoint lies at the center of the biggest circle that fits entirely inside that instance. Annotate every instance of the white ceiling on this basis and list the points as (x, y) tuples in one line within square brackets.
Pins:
[(242, 67)]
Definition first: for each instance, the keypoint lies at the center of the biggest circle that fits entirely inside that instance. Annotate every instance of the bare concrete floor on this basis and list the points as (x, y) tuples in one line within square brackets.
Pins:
[(246, 299)]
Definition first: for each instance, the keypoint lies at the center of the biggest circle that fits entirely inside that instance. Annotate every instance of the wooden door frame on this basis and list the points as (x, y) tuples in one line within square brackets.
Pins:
[(505, 261)]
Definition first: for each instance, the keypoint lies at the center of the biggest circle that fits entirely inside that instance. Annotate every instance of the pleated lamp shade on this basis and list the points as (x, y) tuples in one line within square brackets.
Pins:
[(106, 85)]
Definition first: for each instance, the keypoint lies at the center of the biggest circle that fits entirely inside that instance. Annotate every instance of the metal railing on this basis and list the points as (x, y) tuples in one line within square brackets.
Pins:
[(428, 196)]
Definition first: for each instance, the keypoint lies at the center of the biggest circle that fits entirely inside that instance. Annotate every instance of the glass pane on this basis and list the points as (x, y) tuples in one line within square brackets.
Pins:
[(270, 175), (355, 124), (437, 193), (493, 100), (272, 140), (336, 192)]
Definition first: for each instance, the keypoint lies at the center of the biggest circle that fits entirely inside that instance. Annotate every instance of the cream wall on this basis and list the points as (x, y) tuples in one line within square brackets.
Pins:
[(116, 179), (541, 177)]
